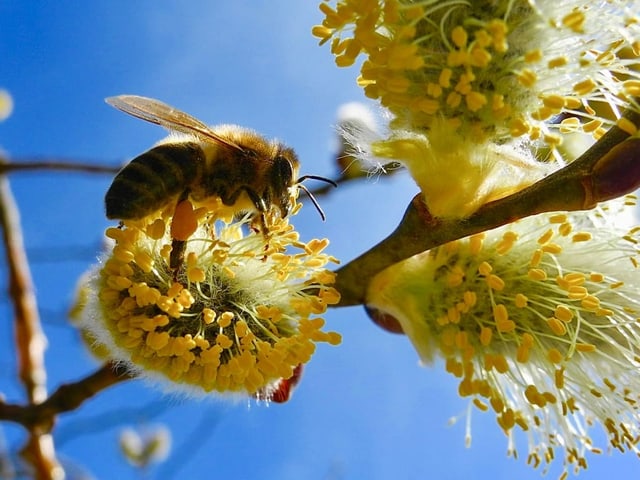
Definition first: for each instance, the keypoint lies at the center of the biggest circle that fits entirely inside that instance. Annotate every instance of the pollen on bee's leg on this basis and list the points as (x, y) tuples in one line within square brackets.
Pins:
[(185, 221)]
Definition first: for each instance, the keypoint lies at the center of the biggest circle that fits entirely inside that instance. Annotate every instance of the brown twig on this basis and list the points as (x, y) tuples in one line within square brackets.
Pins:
[(54, 164), (30, 339), (66, 398), (610, 168)]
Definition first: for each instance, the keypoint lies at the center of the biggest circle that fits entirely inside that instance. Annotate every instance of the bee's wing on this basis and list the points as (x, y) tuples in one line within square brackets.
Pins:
[(160, 113)]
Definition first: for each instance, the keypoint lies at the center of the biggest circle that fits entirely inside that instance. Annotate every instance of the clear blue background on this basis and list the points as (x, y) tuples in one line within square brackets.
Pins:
[(363, 410)]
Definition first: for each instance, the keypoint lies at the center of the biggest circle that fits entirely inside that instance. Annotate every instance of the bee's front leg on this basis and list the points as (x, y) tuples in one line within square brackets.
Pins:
[(183, 224)]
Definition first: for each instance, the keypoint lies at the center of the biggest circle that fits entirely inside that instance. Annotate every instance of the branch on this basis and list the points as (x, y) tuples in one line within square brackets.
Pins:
[(66, 398), (610, 168), (30, 339), (54, 164)]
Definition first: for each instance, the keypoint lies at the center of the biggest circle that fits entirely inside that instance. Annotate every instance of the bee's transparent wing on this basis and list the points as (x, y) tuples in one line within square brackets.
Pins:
[(160, 113)]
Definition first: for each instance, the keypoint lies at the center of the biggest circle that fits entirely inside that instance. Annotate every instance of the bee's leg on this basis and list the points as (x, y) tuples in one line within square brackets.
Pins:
[(176, 257), (183, 225), (259, 223), (259, 220)]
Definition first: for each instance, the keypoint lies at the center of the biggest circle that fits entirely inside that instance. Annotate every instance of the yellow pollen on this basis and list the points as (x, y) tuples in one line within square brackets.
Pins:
[(495, 282), (545, 237), (453, 315), (504, 246), (485, 336), (453, 99), (157, 340), (596, 277), (632, 87), (434, 90), (574, 20), (224, 341), (627, 125), (604, 312), (542, 113), (459, 37), (518, 127), (557, 62), (586, 347), (174, 290), (575, 278), (555, 356), (554, 102), (500, 363), (475, 243), (552, 248), (557, 326), (224, 320), (562, 312), (506, 420), (480, 57), (461, 340), (559, 374), (480, 405), (500, 313), (470, 298), (496, 403), (565, 229), (592, 126), (428, 106), (522, 354), (572, 103), (590, 302), (581, 237), (119, 283), (585, 87), (570, 125), (321, 32), (208, 315), (228, 272), (537, 274), (536, 258), (196, 274), (475, 101), (576, 292), (553, 139), (123, 254), (527, 78), (535, 132), (156, 229), (144, 261), (444, 78), (485, 269), (609, 384), (533, 56), (521, 300), (455, 277)]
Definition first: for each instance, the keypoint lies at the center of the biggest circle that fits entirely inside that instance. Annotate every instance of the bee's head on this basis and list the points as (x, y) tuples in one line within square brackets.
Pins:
[(283, 173)]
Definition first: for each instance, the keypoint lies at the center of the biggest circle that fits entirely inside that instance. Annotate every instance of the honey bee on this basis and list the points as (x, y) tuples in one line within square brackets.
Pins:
[(245, 170)]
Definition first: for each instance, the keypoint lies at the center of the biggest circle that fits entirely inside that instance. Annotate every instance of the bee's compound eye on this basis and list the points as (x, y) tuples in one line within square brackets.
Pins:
[(282, 171), (281, 179)]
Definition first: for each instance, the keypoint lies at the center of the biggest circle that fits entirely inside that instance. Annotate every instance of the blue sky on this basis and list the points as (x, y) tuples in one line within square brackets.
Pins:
[(363, 410)]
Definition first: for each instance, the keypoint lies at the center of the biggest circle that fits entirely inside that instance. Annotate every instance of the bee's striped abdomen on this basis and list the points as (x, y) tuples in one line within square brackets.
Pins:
[(151, 180)]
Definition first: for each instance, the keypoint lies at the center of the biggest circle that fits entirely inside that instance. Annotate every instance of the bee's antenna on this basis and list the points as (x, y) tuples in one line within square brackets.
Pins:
[(317, 177), (314, 201), (310, 195)]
